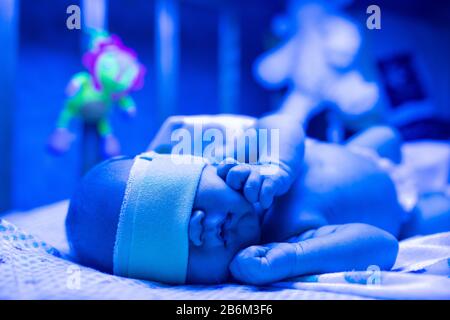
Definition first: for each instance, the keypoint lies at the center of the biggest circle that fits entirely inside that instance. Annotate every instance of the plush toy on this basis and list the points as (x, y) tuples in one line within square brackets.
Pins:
[(113, 71), (316, 63)]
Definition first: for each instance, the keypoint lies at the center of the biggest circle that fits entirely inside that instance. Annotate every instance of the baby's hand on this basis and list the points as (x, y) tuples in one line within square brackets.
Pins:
[(264, 264), (331, 248), (258, 183)]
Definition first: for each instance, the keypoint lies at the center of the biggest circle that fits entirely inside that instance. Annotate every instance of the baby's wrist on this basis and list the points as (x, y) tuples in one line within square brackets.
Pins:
[(276, 170)]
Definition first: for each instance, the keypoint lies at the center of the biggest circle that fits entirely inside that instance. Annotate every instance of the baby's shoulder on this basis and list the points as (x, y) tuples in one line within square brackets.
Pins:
[(337, 164)]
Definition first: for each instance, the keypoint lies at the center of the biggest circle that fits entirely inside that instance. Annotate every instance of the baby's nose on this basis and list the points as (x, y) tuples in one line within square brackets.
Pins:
[(216, 226)]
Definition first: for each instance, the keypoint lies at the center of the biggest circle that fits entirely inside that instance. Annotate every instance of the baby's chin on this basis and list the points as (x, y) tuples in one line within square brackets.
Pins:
[(212, 266)]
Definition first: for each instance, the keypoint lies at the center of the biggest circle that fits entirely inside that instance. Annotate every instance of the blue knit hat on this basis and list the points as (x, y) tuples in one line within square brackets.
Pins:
[(152, 240)]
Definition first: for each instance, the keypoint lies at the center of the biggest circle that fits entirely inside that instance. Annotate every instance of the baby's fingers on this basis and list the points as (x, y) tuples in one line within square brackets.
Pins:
[(237, 176), (264, 264), (253, 186), (249, 265), (225, 166), (267, 193)]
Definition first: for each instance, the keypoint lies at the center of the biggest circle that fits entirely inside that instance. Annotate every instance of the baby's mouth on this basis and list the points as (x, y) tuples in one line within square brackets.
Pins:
[(211, 233), (216, 233), (224, 229)]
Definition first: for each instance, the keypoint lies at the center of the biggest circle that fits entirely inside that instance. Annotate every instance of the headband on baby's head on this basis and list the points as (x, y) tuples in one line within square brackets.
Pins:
[(152, 239)]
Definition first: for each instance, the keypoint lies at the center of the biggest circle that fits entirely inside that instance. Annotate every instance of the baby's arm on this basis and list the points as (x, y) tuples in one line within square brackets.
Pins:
[(331, 248), (291, 143), (276, 171)]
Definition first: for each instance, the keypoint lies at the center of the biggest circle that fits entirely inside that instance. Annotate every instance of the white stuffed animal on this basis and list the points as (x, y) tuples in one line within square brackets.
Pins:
[(315, 63)]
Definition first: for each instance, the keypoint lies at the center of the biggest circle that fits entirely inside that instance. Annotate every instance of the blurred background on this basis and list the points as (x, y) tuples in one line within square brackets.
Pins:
[(210, 56)]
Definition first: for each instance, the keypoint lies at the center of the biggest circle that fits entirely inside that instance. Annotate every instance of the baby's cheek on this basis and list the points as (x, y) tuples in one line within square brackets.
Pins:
[(248, 235), (208, 265)]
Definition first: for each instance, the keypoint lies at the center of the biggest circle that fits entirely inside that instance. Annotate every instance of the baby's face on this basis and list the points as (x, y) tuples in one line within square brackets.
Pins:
[(221, 224)]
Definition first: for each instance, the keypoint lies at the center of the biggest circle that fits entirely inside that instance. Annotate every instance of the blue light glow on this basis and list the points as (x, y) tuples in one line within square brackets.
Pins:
[(95, 14), (166, 55)]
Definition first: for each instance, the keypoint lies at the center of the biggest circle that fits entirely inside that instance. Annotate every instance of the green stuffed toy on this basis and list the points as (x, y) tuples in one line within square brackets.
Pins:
[(113, 71)]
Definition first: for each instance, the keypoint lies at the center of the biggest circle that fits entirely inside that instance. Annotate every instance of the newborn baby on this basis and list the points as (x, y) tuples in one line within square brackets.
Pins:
[(178, 219)]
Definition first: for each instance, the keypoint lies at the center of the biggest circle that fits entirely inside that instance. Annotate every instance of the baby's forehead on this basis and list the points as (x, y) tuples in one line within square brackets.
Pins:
[(211, 184), (210, 175)]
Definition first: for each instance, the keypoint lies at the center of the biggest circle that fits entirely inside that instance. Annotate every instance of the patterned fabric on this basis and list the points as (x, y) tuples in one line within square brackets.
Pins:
[(422, 271), (21, 241)]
